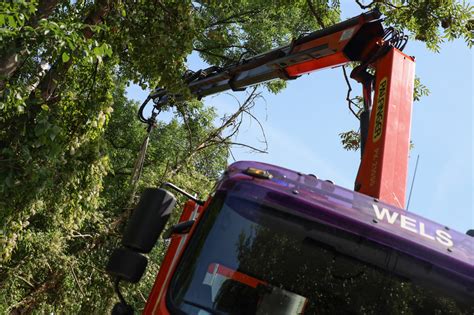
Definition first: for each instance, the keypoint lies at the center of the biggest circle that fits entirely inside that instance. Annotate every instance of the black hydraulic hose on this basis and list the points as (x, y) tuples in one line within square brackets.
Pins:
[(140, 110)]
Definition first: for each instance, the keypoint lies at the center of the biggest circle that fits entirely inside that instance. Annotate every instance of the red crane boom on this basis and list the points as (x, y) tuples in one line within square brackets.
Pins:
[(385, 127)]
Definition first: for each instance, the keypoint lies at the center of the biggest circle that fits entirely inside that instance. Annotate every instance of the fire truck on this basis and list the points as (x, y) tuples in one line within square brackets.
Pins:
[(270, 240)]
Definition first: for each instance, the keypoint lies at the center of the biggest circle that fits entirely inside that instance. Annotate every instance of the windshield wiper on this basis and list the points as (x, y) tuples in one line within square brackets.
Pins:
[(207, 309)]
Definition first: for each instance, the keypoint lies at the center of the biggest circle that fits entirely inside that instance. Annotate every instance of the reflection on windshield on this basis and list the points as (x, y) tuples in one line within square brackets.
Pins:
[(260, 297), (246, 259)]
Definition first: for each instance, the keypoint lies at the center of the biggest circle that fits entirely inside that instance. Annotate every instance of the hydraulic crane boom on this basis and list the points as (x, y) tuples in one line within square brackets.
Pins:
[(269, 240), (384, 131), (352, 40)]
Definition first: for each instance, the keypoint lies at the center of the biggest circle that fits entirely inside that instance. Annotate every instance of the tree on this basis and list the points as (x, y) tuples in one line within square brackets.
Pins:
[(68, 137)]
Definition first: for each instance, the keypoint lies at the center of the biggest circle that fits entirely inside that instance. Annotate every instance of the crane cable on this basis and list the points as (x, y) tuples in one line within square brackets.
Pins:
[(139, 162)]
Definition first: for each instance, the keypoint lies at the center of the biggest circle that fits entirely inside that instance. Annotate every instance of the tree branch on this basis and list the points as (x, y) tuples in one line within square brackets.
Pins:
[(14, 56), (363, 6), (261, 128), (205, 51), (247, 146), (230, 19), (315, 14), (28, 303), (186, 122), (58, 70)]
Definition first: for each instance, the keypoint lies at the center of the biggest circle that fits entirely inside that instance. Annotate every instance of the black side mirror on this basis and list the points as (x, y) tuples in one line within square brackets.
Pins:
[(143, 229), (148, 220), (125, 264)]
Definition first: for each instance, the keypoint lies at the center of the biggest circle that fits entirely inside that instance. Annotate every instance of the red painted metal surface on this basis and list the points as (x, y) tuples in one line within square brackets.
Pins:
[(234, 275), (156, 302), (333, 51), (333, 60), (175, 249), (384, 166), (160, 285)]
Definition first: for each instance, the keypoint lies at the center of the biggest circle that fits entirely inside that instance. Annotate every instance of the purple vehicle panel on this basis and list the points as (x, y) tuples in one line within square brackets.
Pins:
[(356, 213)]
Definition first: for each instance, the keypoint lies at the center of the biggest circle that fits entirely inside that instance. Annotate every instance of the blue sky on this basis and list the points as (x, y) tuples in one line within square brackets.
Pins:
[(302, 124)]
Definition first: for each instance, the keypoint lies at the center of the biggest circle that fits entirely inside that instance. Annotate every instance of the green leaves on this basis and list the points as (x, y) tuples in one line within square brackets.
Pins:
[(350, 140), (11, 21), (420, 90), (66, 157), (432, 22), (102, 51), (65, 57)]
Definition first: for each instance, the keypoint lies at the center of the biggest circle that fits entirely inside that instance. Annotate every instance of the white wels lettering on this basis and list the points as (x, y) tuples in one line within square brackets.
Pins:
[(412, 225), (391, 216), (423, 233), (444, 238), (408, 224)]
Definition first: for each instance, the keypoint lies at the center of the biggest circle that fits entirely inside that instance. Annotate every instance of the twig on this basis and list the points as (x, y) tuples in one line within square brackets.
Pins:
[(229, 20), (163, 176), (81, 235), (315, 14), (350, 102), (76, 280), (142, 296), (247, 146), (232, 154), (203, 51), (261, 128), (186, 122), (24, 280), (362, 6)]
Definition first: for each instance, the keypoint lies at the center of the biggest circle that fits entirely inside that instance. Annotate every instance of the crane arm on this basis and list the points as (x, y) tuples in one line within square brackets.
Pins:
[(385, 130), (351, 40), (356, 39)]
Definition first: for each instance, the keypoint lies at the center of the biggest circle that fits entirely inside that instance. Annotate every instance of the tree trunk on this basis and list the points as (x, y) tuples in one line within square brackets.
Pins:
[(11, 59), (29, 302), (55, 75)]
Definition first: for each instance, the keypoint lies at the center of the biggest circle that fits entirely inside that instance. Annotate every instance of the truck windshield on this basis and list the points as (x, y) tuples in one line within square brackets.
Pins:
[(245, 258)]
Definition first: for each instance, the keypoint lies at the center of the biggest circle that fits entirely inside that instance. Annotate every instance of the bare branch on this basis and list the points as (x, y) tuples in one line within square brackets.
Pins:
[(205, 51), (363, 6), (247, 146), (81, 235), (24, 280), (76, 280), (142, 296), (186, 122), (13, 57), (232, 154), (215, 138), (349, 100), (165, 172), (261, 128), (230, 46), (231, 19), (387, 3), (315, 14), (31, 299)]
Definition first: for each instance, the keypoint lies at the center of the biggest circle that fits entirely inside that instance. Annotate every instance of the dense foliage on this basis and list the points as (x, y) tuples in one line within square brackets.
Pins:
[(69, 137)]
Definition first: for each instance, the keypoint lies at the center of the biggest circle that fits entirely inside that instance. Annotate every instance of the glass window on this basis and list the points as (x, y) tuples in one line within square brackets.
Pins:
[(247, 259)]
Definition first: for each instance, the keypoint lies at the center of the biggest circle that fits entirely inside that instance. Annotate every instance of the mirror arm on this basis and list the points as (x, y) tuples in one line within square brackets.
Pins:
[(180, 228), (181, 191)]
